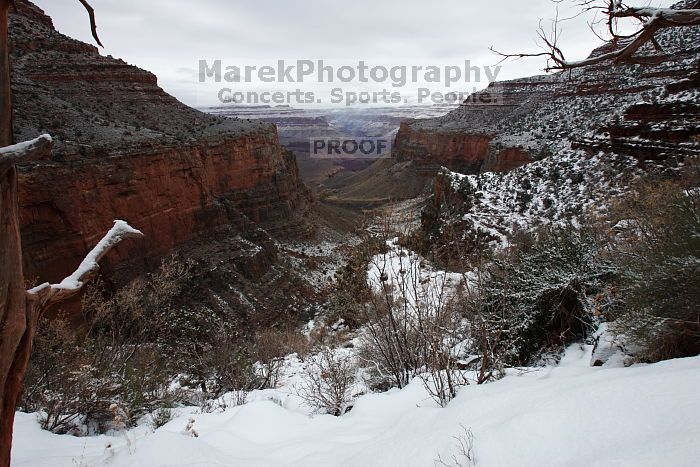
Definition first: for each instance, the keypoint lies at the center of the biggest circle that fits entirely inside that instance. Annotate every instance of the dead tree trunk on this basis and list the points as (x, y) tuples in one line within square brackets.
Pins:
[(5, 104), (21, 310), (13, 323)]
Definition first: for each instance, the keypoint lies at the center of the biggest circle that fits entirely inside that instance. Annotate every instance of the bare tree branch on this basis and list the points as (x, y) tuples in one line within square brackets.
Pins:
[(651, 19), (668, 16), (47, 294), (19, 310), (24, 152), (93, 22)]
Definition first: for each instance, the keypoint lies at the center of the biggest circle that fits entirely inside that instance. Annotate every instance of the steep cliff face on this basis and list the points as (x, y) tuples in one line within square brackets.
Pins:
[(433, 150), (174, 194), (126, 149), (461, 151)]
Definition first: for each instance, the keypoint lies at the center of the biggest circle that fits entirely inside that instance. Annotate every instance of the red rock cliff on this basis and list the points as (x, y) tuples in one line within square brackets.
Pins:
[(461, 151), (128, 150), (437, 149)]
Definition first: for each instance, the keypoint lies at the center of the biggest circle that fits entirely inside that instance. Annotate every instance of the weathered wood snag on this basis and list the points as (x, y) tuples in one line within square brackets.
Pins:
[(21, 310)]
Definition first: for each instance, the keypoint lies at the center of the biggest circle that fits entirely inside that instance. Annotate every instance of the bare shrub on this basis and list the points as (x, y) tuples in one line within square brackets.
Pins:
[(239, 397), (75, 383), (125, 354), (443, 334), (134, 342), (464, 457), (209, 404), (389, 345), (392, 339), (270, 348), (321, 335), (414, 327), (327, 383), (487, 362)]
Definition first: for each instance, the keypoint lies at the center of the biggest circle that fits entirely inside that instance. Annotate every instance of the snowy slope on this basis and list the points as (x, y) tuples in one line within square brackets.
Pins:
[(572, 415), (556, 190)]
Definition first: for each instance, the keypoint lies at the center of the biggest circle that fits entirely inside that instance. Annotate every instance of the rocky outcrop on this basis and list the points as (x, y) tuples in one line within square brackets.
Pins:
[(466, 152), (506, 160), (654, 131), (460, 151), (126, 149), (295, 127)]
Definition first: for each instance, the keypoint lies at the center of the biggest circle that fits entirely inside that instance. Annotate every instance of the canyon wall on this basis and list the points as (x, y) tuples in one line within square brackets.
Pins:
[(433, 149), (125, 149), (297, 126), (467, 152)]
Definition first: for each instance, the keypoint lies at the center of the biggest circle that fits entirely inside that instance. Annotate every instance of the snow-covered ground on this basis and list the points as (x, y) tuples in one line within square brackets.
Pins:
[(560, 189), (411, 277), (329, 255), (571, 414)]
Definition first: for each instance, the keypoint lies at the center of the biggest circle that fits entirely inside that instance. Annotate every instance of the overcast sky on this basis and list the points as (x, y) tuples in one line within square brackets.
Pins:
[(170, 37)]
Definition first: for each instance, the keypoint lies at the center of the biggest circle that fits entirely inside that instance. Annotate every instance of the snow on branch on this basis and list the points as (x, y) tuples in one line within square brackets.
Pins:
[(54, 293), (119, 232), (689, 17), (24, 152)]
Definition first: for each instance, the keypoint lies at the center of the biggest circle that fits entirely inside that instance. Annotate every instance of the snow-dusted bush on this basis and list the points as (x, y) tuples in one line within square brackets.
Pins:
[(161, 417), (542, 298), (77, 374), (269, 349), (350, 289), (75, 383), (46, 371)]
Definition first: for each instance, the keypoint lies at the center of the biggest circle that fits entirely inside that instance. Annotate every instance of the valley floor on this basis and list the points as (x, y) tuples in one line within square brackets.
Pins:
[(571, 414)]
